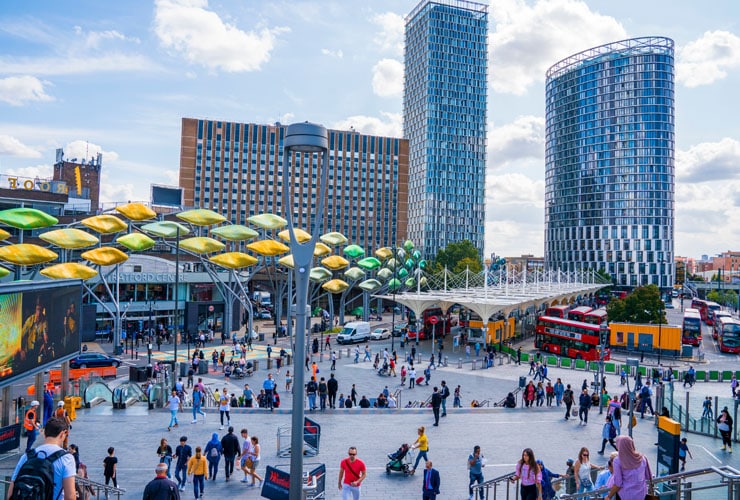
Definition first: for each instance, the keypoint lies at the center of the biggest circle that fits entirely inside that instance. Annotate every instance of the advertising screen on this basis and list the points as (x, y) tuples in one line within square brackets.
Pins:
[(39, 327)]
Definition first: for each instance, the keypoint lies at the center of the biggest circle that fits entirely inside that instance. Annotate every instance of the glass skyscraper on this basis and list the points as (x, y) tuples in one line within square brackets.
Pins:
[(445, 89), (609, 195)]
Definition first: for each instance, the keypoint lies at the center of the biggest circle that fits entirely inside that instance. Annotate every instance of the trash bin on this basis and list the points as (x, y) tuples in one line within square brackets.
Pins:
[(288, 359), (143, 374), (149, 371), (522, 382), (256, 364), (133, 374), (262, 337), (269, 363), (183, 369), (203, 367)]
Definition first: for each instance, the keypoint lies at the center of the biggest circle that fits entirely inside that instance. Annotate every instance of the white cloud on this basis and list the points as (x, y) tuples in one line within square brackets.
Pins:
[(523, 138), (390, 125), (83, 150), (528, 39), (18, 90), (707, 59), (709, 161), (202, 37), (32, 171), (10, 146), (73, 64), (391, 35), (388, 78), (515, 188), (338, 54), (94, 39)]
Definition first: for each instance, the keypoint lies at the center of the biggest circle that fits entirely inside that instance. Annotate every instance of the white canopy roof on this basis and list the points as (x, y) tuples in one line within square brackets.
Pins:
[(502, 294)]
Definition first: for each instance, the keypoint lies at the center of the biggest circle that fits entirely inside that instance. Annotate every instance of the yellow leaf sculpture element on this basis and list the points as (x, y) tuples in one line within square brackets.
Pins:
[(287, 261), (136, 211), (4, 235), (335, 262), (70, 270), (105, 256), (233, 260), (335, 286), (69, 238), (26, 254), (104, 224), (268, 248), (321, 250), (301, 236)]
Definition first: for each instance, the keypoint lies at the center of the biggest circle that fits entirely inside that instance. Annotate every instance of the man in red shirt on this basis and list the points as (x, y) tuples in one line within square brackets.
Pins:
[(351, 475)]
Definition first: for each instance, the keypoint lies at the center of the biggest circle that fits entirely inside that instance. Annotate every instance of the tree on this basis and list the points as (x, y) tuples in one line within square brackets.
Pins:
[(724, 297), (453, 255), (468, 263), (643, 305)]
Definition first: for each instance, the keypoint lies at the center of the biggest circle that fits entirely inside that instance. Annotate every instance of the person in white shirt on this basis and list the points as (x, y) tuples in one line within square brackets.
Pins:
[(56, 431)]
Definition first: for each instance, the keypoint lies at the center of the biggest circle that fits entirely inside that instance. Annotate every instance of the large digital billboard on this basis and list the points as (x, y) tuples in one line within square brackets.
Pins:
[(39, 326)]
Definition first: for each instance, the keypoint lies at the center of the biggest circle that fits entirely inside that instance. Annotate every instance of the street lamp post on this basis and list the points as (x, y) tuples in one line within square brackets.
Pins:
[(150, 332), (393, 307), (603, 333), (305, 139)]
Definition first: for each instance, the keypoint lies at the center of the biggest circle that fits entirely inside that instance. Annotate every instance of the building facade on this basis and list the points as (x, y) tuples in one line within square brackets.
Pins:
[(236, 169), (82, 178), (444, 119), (609, 178)]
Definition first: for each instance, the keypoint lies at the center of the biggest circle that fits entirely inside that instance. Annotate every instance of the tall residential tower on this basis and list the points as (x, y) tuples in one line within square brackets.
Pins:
[(609, 179), (445, 89)]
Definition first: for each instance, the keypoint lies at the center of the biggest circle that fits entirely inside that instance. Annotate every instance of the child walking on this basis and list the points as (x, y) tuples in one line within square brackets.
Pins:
[(683, 450)]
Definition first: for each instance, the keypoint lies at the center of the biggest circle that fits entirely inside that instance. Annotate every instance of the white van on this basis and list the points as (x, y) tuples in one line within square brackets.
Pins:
[(356, 331)]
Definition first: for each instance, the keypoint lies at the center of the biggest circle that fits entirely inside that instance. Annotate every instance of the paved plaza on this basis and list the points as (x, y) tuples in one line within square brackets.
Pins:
[(502, 433)]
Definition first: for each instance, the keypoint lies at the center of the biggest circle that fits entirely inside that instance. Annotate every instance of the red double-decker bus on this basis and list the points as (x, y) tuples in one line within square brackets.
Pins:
[(570, 338), (596, 317), (729, 335), (691, 331), (557, 311), (579, 313)]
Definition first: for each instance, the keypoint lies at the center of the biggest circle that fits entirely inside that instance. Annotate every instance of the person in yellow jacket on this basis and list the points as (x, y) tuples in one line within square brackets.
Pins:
[(198, 467), (422, 444)]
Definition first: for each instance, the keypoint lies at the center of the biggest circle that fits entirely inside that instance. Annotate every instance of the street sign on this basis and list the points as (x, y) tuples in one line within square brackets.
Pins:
[(434, 320), (211, 308)]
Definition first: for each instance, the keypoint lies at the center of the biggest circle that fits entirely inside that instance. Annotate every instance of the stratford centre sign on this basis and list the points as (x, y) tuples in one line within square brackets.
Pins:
[(147, 277)]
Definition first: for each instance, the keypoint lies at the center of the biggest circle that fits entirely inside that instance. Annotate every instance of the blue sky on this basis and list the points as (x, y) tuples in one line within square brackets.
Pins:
[(117, 77)]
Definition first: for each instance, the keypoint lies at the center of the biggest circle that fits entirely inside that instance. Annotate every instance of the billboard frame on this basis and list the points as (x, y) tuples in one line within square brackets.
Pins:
[(40, 287)]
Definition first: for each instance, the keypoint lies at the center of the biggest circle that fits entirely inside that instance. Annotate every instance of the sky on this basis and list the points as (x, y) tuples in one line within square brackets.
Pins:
[(118, 77)]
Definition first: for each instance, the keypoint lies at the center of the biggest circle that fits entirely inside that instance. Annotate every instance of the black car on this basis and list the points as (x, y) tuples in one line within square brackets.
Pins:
[(93, 360)]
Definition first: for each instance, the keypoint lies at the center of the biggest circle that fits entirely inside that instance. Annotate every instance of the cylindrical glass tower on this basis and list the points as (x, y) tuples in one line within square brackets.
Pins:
[(610, 162)]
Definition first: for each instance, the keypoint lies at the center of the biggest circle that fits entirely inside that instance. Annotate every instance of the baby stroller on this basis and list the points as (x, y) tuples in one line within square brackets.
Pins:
[(400, 460)]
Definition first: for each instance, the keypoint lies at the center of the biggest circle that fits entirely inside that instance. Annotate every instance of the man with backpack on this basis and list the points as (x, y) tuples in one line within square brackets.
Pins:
[(46, 472), (645, 400), (568, 400)]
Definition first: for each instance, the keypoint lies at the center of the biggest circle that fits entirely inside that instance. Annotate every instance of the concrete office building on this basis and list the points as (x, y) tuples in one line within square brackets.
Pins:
[(444, 108), (236, 169), (609, 178)]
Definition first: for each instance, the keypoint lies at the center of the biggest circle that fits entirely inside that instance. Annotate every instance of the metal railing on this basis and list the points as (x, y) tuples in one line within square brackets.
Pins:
[(719, 482), (498, 487), (88, 488)]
